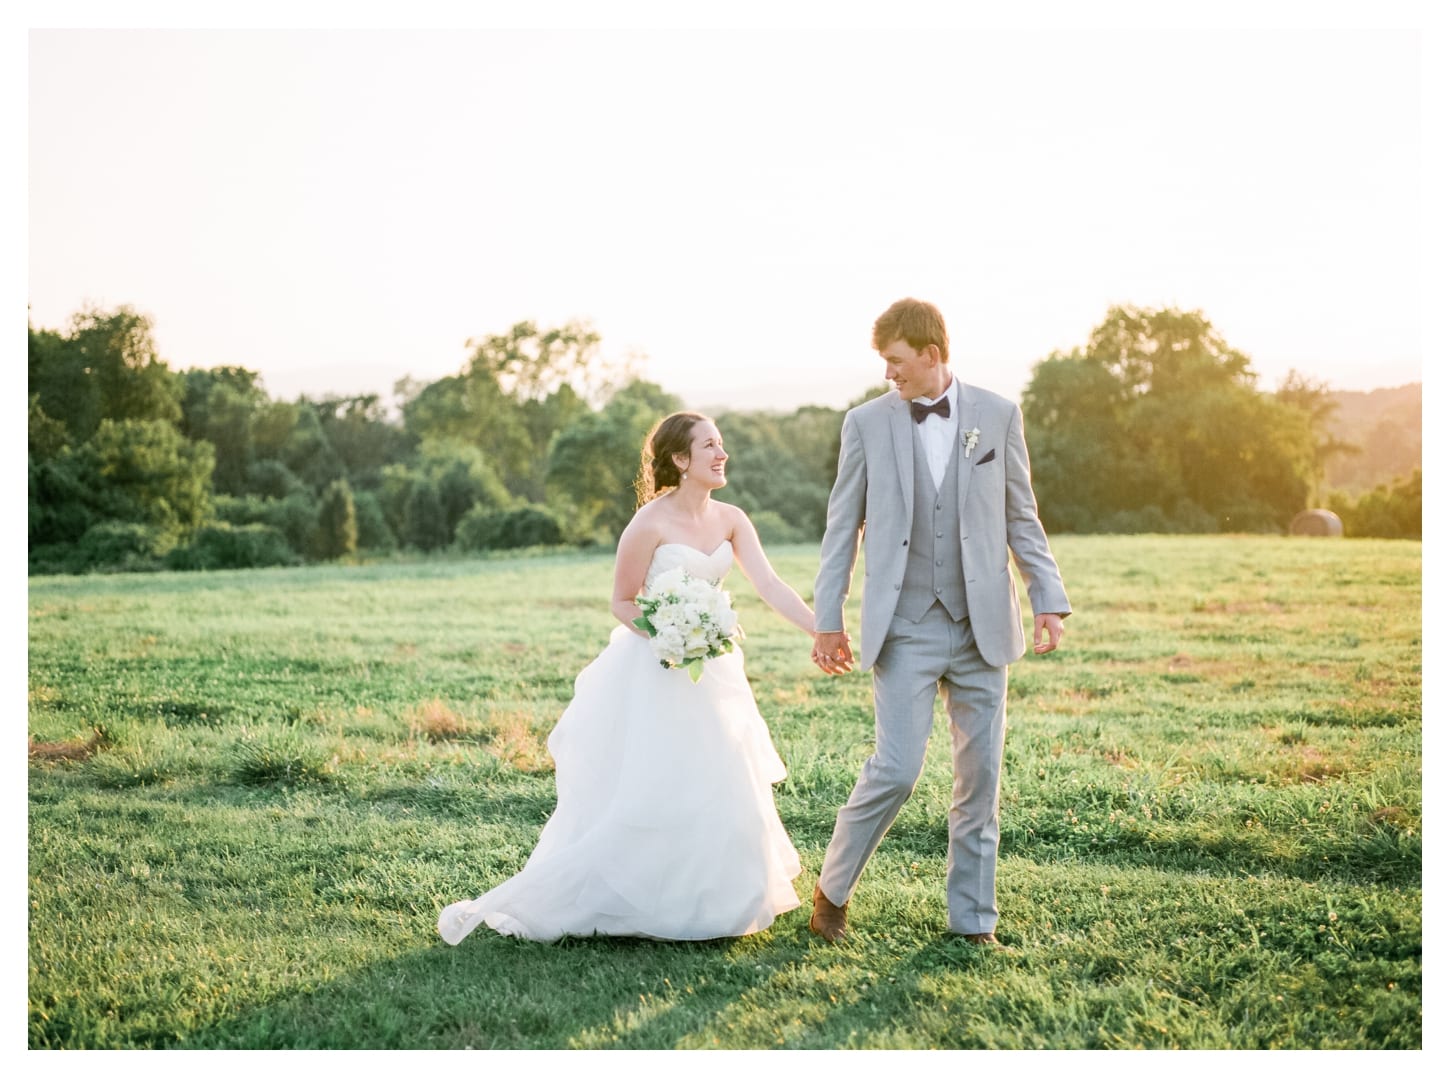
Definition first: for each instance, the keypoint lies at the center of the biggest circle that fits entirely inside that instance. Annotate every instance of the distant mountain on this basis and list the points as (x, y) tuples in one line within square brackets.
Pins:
[(1386, 426)]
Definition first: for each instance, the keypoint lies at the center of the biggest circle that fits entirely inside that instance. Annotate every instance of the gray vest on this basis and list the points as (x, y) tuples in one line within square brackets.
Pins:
[(934, 558)]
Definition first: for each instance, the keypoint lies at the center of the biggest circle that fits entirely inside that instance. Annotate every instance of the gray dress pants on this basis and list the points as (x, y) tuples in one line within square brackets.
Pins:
[(918, 661)]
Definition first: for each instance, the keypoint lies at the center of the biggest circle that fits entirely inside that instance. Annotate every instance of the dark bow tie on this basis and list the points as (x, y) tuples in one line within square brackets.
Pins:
[(920, 411)]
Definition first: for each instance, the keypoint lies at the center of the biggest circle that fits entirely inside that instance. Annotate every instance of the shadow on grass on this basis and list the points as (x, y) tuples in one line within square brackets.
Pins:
[(492, 992), (1378, 852)]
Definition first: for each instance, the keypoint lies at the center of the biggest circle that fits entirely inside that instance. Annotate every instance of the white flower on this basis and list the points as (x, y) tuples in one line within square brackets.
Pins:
[(969, 441), (688, 620)]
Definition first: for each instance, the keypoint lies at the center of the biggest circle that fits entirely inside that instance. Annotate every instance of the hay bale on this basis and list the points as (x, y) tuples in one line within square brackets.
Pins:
[(1317, 522)]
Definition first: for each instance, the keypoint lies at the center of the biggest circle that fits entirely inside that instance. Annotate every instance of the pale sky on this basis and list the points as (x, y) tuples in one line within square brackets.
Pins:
[(339, 209)]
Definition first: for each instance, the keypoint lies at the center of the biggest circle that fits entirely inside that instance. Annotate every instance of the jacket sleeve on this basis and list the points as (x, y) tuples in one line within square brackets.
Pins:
[(1025, 535), (845, 516)]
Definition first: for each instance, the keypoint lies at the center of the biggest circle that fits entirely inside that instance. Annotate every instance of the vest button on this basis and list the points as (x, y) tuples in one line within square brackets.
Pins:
[(938, 561), (938, 535)]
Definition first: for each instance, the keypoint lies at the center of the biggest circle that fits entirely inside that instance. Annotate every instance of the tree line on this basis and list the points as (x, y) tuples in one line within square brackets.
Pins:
[(1154, 425)]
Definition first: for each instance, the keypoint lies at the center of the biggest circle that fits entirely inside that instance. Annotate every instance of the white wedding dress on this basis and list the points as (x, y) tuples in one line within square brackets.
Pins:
[(666, 824)]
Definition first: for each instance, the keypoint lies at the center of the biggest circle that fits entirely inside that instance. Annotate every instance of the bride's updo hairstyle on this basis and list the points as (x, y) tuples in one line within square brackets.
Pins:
[(657, 469)]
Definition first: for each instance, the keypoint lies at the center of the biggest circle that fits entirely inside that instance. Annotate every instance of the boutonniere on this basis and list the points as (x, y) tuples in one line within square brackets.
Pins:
[(969, 441)]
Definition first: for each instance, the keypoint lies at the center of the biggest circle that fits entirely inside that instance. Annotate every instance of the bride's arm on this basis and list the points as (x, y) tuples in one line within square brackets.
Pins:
[(780, 596), (631, 562)]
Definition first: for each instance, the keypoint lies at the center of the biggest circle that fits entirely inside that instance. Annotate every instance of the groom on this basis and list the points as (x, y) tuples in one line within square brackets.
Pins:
[(935, 478)]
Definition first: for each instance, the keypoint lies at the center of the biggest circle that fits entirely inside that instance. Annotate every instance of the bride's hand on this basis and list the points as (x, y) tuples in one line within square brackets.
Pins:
[(832, 653)]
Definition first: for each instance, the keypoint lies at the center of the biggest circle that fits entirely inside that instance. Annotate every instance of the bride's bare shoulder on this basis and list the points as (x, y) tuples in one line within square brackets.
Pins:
[(734, 516), (646, 524)]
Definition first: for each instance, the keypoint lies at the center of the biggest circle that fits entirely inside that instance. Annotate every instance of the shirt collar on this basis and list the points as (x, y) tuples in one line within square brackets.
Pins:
[(952, 403)]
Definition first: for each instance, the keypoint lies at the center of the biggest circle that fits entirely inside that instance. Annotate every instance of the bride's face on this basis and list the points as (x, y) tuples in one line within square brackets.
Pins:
[(706, 463)]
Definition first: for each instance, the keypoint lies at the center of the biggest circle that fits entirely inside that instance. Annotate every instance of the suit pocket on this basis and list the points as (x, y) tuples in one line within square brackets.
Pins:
[(991, 455)]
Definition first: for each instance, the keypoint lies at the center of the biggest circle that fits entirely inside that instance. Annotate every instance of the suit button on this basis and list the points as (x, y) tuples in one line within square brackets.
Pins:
[(898, 587), (938, 591), (938, 535), (938, 561)]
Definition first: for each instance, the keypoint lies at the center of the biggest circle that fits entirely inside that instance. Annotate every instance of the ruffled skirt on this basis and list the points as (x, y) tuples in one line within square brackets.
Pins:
[(666, 824)]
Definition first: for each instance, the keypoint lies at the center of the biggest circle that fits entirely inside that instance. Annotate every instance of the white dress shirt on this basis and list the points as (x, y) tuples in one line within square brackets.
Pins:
[(939, 434)]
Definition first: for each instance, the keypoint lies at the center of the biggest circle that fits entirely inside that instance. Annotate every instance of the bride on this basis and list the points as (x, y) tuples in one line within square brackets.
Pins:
[(666, 824)]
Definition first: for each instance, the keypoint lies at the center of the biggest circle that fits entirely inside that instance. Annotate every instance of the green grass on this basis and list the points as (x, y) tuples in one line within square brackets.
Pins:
[(1211, 819)]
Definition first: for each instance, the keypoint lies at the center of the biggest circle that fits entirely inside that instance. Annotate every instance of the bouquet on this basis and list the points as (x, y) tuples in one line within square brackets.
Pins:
[(688, 620)]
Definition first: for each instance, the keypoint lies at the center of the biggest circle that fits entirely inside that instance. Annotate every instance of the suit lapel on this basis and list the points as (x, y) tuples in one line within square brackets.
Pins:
[(901, 444), (967, 409)]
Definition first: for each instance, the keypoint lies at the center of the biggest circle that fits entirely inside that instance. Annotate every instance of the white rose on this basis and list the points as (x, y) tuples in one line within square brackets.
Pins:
[(696, 644)]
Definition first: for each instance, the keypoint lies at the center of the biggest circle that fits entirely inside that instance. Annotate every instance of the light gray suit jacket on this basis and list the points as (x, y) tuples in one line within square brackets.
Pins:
[(872, 501)]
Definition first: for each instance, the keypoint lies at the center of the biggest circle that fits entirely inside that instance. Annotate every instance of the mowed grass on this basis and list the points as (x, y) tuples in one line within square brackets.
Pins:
[(252, 792)]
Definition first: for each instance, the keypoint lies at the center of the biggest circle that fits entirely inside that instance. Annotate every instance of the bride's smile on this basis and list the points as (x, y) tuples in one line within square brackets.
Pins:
[(707, 456)]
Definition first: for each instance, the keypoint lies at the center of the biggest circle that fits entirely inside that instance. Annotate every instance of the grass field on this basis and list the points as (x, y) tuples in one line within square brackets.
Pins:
[(252, 792)]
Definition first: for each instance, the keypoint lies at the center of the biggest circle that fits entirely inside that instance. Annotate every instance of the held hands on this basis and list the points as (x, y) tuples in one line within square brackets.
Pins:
[(832, 653), (1051, 624)]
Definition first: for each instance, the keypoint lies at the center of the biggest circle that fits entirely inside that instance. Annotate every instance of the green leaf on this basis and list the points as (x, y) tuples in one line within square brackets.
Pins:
[(696, 667), (642, 622)]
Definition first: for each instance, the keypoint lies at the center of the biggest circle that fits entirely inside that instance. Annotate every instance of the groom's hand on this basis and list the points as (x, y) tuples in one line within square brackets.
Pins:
[(1050, 624), (832, 653)]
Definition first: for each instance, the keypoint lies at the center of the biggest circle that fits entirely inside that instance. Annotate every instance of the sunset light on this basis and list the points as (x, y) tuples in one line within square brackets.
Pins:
[(339, 209)]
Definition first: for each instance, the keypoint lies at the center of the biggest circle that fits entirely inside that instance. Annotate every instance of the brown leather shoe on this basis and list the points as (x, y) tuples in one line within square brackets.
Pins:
[(828, 920), (981, 939)]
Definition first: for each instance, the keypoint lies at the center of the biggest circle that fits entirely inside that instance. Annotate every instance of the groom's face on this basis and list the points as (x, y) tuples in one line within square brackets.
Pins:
[(915, 374)]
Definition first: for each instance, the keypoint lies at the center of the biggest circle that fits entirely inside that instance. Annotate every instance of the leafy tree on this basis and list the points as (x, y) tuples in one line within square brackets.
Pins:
[(146, 472), (1318, 405), (509, 529), (220, 406), (543, 418), (774, 529), (784, 465), (1385, 427), (120, 546), (336, 535), (1387, 512), (590, 475), (225, 546), (594, 461), (516, 392), (105, 368), (361, 434), (373, 532), (46, 436), (395, 487), (1086, 463), (463, 477), (58, 497), (528, 363), (1157, 415), (472, 409), (646, 402), (308, 452), (272, 425), (293, 516), (425, 525), (198, 384), (272, 479)]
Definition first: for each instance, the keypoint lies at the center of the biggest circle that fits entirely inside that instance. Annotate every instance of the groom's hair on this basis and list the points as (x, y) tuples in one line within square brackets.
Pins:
[(658, 471), (914, 321)]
